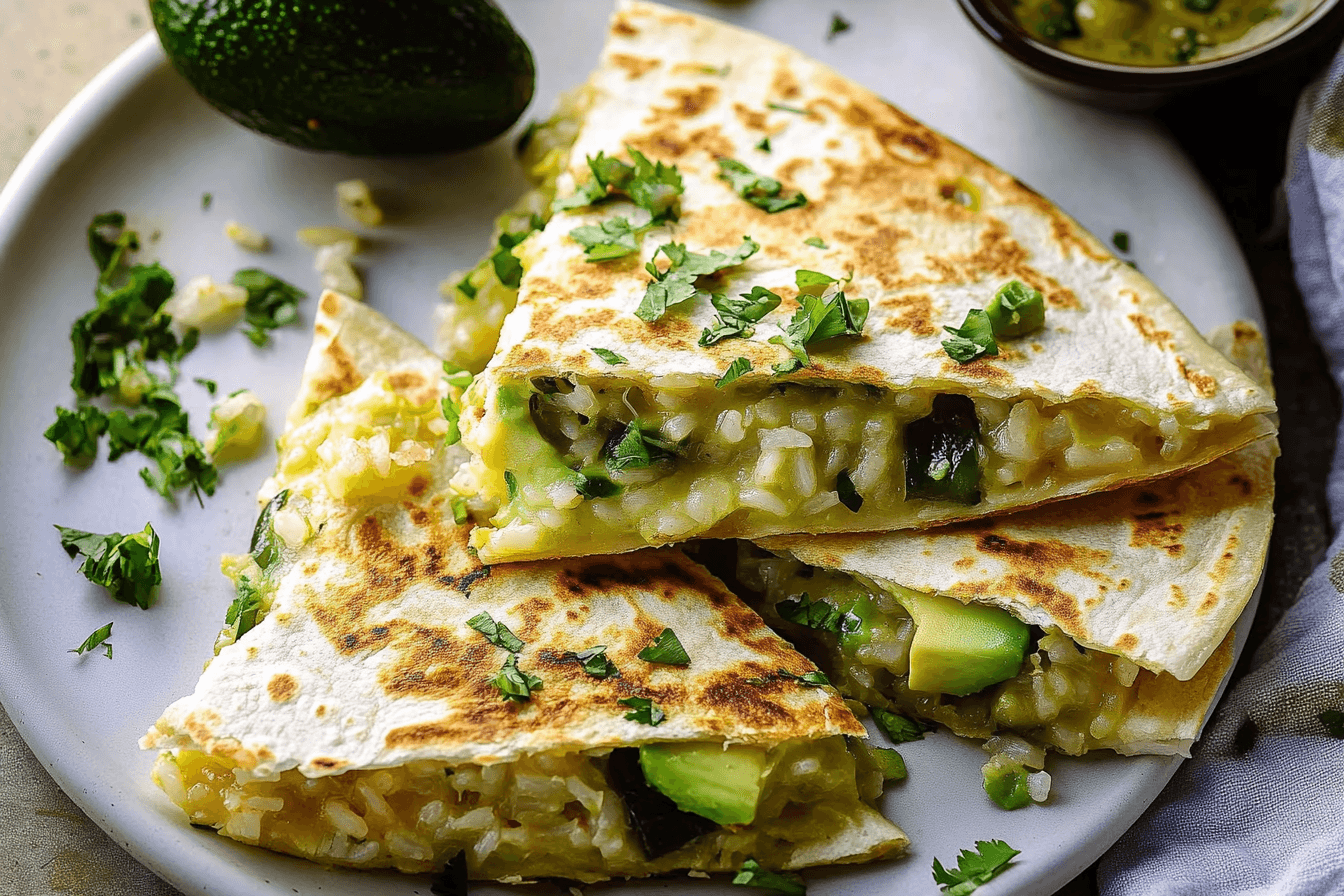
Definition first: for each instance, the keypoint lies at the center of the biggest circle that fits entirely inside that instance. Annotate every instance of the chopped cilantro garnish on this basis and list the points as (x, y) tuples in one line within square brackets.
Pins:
[(735, 370), (595, 662), (839, 24), (812, 282), (816, 242), (849, 496), (761, 191), (613, 238), (973, 339), (1333, 720), (678, 282), (511, 484), (497, 633), (974, 868), (751, 874), (271, 303), (814, 679), (206, 199), (507, 267), (899, 728), (711, 70), (736, 316), (637, 449), (818, 318), (466, 287), (513, 683), (97, 639), (609, 356), (459, 378), (764, 144), (665, 649), (1121, 240), (245, 608), (643, 710), (76, 433), (208, 385), (1016, 310), (126, 565), (656, 188), (161, 433), (594, 485), (781, 107)]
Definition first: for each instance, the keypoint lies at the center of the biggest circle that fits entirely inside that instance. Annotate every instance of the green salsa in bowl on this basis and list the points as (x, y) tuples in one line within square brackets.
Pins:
[(1136, 53)]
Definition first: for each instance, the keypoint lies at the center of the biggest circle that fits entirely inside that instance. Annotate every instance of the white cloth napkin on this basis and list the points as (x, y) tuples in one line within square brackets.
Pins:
[(1260, 807)]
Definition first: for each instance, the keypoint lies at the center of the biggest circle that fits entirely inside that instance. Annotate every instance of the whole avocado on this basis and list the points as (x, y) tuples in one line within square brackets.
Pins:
[(365, 77)]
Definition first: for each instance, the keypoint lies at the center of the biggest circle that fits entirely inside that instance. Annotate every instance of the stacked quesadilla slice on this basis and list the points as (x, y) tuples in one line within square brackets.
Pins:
[(733, 325), (382, 698)]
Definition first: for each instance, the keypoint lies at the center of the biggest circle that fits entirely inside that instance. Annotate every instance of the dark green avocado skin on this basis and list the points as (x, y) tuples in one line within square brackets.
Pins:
[(365, 77)]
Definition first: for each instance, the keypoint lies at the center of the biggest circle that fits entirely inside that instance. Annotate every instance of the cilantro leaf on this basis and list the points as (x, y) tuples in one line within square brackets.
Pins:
[(245, 608), (849, 496), (665, 649), (208, 385), (507, 267), (736, 316), (613, 238), (609, 356), (125, 330), (1333, 720), (813, 679), (898, 727), (735, 370), (97, 639), (497, 633), (76, 433), (161, 433), (815, 242), (974, 868), (513, 683), (595, 662), (644, 710), (459, 378), (812, 282), (466, 287), (764, 144), (511, 484), (110, 242), (592, 485), (761, 191), (654, 187), (271, 303), (781, 107), (126, 565), (839, 24), (1120, 239), (751, 874), (637, 449), (973, 339), (677, 283), (818, 319)]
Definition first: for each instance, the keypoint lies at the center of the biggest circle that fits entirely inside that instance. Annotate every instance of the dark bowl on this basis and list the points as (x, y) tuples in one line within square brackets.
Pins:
[(1138, 87)]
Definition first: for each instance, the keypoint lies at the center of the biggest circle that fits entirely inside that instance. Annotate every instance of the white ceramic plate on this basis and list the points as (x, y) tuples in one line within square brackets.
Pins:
[(137, 139)]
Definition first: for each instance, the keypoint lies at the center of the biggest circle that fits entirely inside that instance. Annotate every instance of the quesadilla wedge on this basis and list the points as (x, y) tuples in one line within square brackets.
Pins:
[(1098, 623), (381, 698), (733, 324)]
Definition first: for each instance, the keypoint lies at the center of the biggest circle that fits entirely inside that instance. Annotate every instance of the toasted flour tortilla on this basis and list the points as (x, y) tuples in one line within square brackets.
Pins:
[(1156, 573), (927, 229), (364, 660)]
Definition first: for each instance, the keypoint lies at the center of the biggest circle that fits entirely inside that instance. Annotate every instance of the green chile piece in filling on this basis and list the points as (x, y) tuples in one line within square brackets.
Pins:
[(942, 453)]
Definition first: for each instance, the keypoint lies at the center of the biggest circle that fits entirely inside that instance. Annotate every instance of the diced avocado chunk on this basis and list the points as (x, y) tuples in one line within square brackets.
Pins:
[(721, 783), (1006, 783), (961, 648), (883, 760)]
